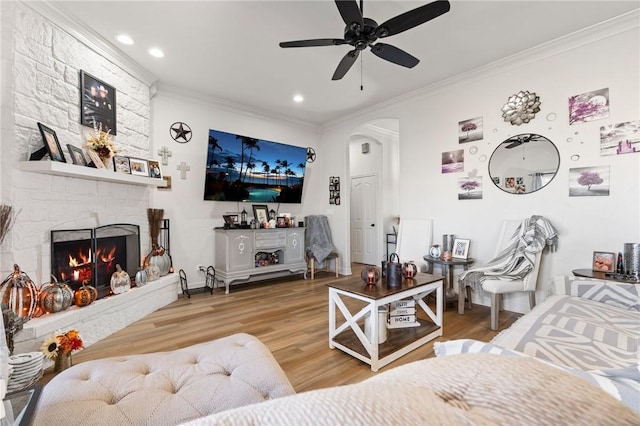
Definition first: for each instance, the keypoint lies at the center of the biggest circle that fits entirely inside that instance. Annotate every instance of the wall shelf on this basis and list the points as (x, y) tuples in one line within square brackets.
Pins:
[(81, 172)]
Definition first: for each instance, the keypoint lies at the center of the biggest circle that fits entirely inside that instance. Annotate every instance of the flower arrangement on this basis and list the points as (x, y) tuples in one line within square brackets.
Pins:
[(101, 142), (62, 344)]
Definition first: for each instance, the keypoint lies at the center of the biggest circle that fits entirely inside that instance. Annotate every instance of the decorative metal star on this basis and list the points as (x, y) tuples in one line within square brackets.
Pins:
[(180, 132), (311, 155)]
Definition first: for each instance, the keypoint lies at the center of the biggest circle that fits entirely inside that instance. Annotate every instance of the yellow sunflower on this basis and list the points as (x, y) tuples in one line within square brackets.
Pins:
[(50, 347)]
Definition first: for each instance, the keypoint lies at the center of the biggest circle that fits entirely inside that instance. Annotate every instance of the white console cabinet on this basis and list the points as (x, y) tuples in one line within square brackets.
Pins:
[(245, 255)]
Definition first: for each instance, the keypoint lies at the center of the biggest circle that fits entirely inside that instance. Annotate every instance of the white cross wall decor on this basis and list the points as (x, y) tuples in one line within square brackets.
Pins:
[(183, 168), (165, 154)]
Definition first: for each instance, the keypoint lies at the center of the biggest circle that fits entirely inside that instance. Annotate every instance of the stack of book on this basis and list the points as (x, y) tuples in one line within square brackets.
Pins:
[(403, 314)]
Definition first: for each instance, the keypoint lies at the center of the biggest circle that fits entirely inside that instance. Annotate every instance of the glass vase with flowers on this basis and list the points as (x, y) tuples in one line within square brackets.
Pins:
[(59, 347)]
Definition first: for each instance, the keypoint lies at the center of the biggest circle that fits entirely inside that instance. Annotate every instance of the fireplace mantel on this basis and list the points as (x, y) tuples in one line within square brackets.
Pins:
[(103, 317), (58, 168)]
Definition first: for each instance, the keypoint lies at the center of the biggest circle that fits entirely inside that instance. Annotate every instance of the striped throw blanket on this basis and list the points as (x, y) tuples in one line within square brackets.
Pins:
[(517, 259)]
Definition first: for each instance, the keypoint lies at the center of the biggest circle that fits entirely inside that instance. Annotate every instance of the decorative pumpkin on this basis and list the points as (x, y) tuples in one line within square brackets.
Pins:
[(85, 295), (141, 277), (54, 296), (120, 281), (160, 258), (19, 293), (153, 272)]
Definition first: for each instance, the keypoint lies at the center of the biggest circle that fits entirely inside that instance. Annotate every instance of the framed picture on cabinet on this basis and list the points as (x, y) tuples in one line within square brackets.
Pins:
[(604, 261), (460, 248)]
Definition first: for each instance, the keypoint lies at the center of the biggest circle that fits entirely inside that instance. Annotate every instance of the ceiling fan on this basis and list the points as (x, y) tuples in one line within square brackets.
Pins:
[(361, 32), (518, 140)]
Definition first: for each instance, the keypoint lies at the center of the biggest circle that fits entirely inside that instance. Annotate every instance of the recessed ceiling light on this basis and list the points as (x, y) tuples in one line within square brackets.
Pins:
[(298, 98), (124, 39), (154, 51)]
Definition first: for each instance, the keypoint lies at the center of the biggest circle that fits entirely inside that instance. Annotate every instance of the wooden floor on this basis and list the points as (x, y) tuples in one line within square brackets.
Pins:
[(289, 315)]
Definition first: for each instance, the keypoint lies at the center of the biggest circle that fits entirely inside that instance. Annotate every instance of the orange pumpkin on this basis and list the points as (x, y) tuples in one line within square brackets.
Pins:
[(19, 293), (85, 295)]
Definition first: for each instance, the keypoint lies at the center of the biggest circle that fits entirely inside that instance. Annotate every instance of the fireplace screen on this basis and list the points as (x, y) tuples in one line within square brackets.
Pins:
[(91, 255)]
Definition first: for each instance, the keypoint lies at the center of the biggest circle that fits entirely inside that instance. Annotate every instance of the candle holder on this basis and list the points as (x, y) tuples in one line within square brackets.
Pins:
[(370, 275)]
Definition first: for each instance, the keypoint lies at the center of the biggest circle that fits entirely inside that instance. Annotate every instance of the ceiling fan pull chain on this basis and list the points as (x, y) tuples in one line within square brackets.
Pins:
[(361, 86)]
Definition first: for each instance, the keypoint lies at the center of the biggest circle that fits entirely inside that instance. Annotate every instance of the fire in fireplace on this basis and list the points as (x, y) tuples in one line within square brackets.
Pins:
[(90, 255)]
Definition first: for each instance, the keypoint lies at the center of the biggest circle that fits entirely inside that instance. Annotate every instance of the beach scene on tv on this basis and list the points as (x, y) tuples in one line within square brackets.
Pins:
[(241, 168)]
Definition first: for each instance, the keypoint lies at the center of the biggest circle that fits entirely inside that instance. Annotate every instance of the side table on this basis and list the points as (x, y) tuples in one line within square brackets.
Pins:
[(447, 271), (609, 276)]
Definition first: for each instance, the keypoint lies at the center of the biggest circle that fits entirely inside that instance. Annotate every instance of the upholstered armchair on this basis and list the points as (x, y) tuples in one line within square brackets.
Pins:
[(515, 266)]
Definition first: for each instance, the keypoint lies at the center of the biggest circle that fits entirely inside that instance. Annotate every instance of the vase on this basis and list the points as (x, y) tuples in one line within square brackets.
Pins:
[(107, 162), (62, 362)]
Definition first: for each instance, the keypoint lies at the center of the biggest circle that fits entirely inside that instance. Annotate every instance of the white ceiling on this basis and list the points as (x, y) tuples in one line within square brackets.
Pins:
[(229, 49)]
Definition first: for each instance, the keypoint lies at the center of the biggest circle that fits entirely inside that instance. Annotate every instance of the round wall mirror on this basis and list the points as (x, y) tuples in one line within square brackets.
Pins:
[(524, 163)]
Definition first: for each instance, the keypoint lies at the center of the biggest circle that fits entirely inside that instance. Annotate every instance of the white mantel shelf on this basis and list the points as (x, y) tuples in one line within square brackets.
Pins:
[(81, 172)]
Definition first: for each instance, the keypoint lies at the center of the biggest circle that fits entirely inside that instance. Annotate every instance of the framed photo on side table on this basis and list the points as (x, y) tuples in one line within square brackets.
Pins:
[(139, 167), (604, 261), (460, 248), (77, 157)]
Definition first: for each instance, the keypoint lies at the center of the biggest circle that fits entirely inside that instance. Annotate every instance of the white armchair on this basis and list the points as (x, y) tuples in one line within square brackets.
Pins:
[(502, 274)]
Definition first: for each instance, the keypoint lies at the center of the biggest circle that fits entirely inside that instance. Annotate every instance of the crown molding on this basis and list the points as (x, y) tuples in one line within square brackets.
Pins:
[(87, 36), (232, 107), (603, 30)]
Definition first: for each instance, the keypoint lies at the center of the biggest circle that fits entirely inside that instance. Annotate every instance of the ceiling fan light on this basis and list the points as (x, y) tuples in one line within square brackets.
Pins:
[(298, 98)]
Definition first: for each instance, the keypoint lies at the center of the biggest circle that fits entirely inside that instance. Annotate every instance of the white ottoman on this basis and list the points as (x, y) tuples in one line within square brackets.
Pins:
[(164, 388)]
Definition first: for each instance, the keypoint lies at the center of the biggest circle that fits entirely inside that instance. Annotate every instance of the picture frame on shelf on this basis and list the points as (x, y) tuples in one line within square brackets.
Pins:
[(139, 166), (260, 213), (51, 145), (603, 261), (121, 164), (95, 160), (77, 156), (460, 248), (281, 222), (154, 169), (231, 220), (97, 103)]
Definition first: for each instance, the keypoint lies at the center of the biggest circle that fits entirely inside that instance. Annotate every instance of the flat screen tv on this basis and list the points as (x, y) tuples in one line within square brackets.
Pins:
[(241, 168)]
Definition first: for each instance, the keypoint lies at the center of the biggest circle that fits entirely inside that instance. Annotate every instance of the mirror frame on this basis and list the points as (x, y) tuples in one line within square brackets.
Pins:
[(523, 138)]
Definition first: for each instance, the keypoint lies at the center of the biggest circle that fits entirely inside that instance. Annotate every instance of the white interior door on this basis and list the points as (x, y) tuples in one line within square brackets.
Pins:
[(364, 229)]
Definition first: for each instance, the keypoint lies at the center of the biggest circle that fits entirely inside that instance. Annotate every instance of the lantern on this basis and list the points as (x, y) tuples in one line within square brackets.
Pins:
[(272, 214), (243, 217), (54, 296), (85, 295), (370, 275), (19, 294), (120, 281)]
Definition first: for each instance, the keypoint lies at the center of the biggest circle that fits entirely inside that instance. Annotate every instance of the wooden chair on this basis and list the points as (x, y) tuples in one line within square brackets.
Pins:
[(311, 261)]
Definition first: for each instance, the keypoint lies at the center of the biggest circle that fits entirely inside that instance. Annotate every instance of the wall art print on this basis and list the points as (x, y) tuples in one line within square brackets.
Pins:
[(453, 161), (97, 103), (470, 188), (470, 130), (589, 181), (589, 106), (334, 190), (622, 138)]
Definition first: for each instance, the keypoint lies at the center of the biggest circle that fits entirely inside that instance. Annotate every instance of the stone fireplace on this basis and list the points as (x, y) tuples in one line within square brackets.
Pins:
[(90, 255)]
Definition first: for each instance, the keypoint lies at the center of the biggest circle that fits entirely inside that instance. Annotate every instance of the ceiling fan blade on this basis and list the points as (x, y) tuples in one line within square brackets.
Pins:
[(345, 64), (313, 42), (412, 18), (350, 12), (513, 144), (395, 55)]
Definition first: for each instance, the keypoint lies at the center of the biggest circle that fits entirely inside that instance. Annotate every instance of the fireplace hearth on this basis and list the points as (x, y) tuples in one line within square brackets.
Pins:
[(90, 256)]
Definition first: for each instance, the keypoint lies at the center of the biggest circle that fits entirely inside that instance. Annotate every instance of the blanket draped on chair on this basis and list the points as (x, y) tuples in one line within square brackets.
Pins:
[(318, 240), (517, 259)]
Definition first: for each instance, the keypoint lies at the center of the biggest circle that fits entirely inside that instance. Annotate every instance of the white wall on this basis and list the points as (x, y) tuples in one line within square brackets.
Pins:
[(192, 218), (607, 56), (40, 83)]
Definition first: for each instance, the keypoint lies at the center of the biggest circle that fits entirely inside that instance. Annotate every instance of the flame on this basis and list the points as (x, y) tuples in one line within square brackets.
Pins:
[(83, 260)]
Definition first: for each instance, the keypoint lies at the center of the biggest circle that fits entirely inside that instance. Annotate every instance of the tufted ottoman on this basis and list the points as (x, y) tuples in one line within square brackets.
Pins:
[(164, 388)]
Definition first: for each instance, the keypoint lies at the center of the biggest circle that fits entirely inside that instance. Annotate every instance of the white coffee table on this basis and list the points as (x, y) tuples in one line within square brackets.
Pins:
[(349, 337)]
